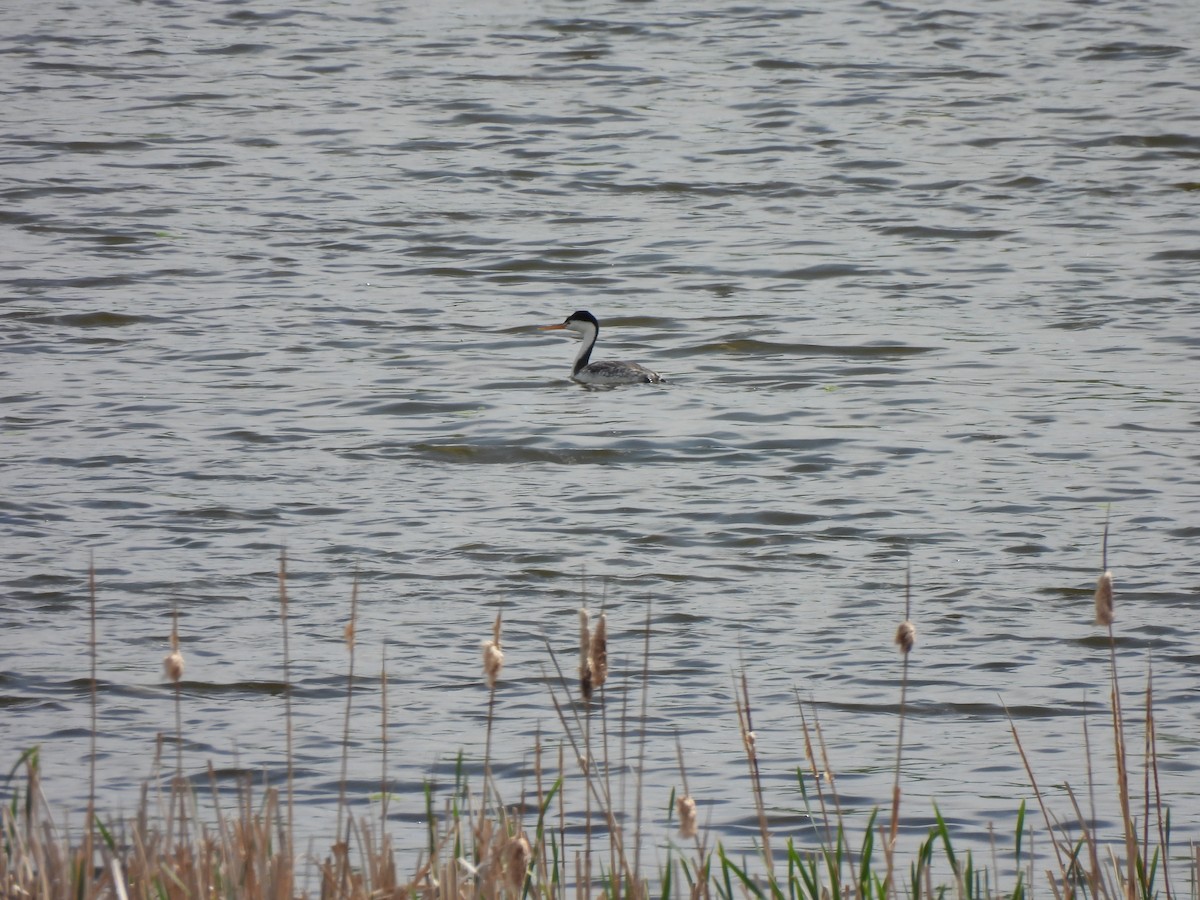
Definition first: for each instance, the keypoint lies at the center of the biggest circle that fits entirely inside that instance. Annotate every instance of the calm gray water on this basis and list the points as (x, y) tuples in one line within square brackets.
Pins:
[(923, 281)]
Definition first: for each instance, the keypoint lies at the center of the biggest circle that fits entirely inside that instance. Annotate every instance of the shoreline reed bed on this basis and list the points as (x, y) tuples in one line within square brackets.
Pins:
[(482, 845)]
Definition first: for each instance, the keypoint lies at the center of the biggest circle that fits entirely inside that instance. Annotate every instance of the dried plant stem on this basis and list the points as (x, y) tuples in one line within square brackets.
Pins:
[(591, 783), (351, 642), (893, 830), (287, 702), (904, 638), (639, 781), (178, 700), (843, 848), (685, 806), (814, 769), (1062, 867), (493, 661), (1092, 847), (1130, 827), (89, 833), (173, 665), (385, 791), (749, 744), (586, 685), (1152, 775)]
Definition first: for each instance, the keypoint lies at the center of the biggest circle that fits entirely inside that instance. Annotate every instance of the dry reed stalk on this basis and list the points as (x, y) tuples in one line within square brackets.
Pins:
[(750, 745), (493, 662), (384, 787), (906, 637), (1103, 602), (543, 873), (1103, 598), (597, 665), (843, 850), (1092, 846), (562, 804), (1089, 840), (287, 701), (349, 634), (593, 675), (641, 760), (685, 809), (592, 785), (173, 667), (1161, 817), (1146, 764), (93, 649), (1037, 793), (586, 684), (814, 769)]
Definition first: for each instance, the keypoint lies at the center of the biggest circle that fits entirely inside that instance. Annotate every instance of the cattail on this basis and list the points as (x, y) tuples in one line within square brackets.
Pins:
[(173, 661), (906, 636), (751, 742), (493, 662), (173, 665), (598, 652), (493, 656), (686, 808), (348, 634), (517, 856), (585, 658), (1104, 599)]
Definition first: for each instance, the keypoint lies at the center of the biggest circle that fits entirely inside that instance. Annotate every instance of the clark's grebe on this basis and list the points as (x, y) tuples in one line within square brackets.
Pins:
[(584, 324)]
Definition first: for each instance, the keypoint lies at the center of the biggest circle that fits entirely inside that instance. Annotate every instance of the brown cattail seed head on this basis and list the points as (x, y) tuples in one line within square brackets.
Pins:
[(173, 665), (1104, 599), (686, 808), (493, 662), (906, 636), (598, 655), (517, 856)]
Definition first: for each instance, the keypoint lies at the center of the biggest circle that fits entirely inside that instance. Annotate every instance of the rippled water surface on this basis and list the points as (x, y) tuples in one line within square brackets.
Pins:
[(923, 281)]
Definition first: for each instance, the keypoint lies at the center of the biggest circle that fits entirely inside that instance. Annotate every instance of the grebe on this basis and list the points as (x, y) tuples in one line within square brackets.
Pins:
[(584, 324)]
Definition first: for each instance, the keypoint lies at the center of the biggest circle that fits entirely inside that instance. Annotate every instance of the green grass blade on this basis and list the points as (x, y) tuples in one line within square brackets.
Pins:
[(729, 866), (1019, 836), (944, 833)]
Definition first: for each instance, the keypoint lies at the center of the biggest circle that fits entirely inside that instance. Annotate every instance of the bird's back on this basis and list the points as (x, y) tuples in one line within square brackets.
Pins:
[(612, 372)]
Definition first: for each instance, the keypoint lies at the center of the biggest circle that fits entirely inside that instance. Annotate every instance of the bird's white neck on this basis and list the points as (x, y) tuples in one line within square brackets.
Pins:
[(588, 334)]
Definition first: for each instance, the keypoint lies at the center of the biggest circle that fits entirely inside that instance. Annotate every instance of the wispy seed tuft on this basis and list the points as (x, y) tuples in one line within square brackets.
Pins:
[(173, 666), (686, 808), (518, 855), (493, 656), (906, 636), (173, 661)]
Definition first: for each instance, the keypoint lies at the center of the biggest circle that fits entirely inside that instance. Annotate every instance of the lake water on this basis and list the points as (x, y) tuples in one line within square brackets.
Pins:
[(923, 281)]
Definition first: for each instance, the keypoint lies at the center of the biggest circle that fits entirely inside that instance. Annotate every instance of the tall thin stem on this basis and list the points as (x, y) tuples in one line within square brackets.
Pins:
[(91, 810), (287, 702), (350, 644)]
